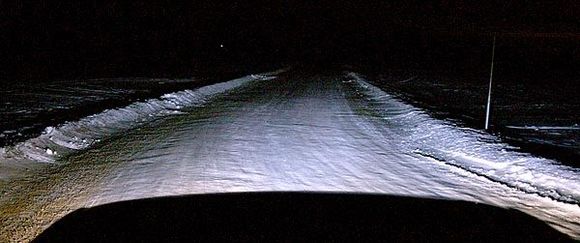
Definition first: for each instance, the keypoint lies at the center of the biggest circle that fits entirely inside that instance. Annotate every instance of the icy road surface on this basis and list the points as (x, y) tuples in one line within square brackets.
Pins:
[(310, 133)]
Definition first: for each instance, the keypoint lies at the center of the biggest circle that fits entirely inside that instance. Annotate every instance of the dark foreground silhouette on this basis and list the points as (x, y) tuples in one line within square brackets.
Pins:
[(296, 217)]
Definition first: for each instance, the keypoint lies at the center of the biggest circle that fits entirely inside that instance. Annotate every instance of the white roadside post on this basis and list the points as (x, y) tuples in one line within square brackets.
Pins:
[(490, 82)]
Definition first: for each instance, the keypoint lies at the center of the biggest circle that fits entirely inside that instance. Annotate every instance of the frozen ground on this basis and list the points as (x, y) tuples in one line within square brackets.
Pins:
[(292, 133)]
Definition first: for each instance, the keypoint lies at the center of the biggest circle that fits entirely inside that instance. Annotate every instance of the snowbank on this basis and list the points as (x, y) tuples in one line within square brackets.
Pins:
[(77, 135), (472, 150)]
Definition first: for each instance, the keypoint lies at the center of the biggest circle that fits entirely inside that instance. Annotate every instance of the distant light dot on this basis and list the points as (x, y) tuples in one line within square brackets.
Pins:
[(222, 45)]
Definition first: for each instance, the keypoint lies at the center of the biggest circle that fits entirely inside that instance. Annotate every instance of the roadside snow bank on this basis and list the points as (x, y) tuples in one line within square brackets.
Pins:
[(472, 150), (81, 134)]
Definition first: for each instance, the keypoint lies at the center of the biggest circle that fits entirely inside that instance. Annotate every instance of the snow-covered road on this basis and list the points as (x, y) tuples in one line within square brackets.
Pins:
[(297, 133)]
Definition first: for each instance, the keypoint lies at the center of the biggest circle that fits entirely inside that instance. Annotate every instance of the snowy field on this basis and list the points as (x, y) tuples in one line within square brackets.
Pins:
[(274, 132), (27, 108)]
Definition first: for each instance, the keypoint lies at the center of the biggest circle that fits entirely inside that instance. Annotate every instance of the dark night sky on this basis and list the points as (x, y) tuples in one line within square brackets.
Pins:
[(49, 40)]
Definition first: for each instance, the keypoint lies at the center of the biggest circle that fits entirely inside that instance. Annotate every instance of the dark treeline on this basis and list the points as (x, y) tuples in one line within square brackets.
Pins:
[(43, 40)]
